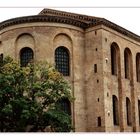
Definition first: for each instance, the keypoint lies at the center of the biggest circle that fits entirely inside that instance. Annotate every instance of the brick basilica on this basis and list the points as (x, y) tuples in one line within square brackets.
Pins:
[(100, 59)]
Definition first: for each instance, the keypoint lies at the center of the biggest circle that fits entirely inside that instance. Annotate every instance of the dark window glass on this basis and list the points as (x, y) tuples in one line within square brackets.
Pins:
[(128, 111), (65, 105), (26, 56), (138, 66), (115, 110), (1, 57), (62, 60), (113, 60), (115, 53), (128, 63), (139, 110), (99, 121), (95, 68)]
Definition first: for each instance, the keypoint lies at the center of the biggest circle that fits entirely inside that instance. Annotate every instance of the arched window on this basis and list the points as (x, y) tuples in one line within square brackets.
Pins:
[(26, 56), (138, 67), (114, 58), (139, 110), (115, 110), (62, 60), (128, 111), (127, 63), (65, 105)]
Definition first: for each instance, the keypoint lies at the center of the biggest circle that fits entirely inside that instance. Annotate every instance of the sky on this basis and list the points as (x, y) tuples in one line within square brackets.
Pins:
[(125, 13)]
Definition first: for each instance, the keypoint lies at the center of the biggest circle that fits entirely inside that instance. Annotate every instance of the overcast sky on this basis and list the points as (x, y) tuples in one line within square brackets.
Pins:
[(126, 17), (122, 12)]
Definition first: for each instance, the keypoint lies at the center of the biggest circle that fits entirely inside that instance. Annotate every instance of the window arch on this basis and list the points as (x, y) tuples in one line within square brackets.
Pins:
[(114, 58), (26, 56), (138, 67), (127, 63), (128, 111), (62, 60), (115, 110)]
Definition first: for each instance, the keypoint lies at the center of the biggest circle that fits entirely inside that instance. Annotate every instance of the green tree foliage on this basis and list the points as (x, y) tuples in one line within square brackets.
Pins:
[(31, 97)]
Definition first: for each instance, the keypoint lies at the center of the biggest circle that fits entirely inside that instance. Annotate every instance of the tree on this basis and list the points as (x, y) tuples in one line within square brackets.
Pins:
[(31, 98)]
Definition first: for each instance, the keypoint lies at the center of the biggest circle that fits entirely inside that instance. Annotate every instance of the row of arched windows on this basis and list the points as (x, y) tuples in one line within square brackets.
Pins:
[(116, 111), (61, 59), (115, 58), (61, 63)]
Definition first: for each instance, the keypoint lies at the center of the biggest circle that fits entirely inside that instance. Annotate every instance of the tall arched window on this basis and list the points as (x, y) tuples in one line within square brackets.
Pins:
[(65, 105), (138, 67), (62, 60), (114, 58), (26, 56), (115, 110), (127, 63), (128, 111)]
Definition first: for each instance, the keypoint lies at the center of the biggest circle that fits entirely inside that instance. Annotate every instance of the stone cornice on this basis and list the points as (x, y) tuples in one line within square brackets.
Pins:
[(84, 18), (82, 21), (116, 27), (42, 18)]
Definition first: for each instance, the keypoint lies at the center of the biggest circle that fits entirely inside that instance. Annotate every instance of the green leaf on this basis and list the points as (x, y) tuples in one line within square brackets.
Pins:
[(29, 96)]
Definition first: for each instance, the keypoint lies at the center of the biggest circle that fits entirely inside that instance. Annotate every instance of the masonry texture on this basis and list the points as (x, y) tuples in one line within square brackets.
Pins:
[(104, 64)]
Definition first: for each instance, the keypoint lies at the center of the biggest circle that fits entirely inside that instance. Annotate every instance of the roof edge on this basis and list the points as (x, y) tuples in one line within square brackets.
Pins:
[(117, 28), (77, 20), (42, 18)]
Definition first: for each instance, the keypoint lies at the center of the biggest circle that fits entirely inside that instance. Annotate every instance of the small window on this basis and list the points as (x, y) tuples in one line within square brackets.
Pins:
[(107, 94), (95, 32), (95, 68), (99, 121)]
